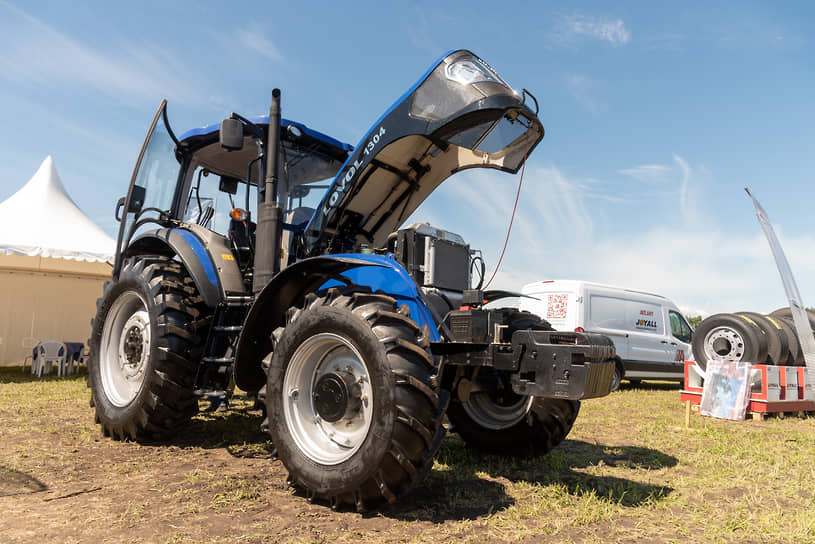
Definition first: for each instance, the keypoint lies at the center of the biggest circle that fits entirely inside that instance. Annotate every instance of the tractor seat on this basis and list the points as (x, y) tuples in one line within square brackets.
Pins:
[(295, 223), (241, 241)]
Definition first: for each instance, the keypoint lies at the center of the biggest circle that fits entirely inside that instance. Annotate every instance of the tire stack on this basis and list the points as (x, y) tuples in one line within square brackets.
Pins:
[(751, 337)]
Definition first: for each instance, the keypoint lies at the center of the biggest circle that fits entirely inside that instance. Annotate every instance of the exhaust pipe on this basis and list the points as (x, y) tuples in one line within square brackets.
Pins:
[(270, 214)]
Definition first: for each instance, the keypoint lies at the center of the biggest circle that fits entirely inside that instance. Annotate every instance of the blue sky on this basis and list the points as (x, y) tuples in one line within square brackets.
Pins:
[(656, 118)]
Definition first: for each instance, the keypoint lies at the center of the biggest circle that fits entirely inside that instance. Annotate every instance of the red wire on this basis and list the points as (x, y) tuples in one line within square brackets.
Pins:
[(511, 219)]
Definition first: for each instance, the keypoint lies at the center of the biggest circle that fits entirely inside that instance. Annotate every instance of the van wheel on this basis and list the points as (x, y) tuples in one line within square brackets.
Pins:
[(618, 377)]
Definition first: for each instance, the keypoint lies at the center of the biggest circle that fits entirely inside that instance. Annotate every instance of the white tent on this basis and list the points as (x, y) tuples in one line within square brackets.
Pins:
[(53, 263), (41, 219)]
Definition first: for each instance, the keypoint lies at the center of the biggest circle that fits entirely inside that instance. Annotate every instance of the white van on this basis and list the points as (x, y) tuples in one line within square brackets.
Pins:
[(651, 336)]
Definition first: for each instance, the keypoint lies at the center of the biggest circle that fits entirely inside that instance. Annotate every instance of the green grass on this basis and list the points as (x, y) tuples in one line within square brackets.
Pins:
[(630, 471)]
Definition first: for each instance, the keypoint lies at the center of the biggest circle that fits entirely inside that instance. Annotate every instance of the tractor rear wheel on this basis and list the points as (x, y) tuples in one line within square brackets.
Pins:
[(513, 424), (143, 359), (498, 420), (353, 409)]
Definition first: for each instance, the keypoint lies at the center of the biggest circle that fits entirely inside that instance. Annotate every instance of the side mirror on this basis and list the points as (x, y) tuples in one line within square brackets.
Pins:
[(228, 185), (137, 195), (136, 202), (231, 135)]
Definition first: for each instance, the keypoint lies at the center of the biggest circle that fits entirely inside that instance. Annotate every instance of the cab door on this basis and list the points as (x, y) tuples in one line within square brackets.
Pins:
[(151, 193)]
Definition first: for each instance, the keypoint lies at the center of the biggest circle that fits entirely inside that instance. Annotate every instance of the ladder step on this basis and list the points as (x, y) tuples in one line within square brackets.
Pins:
[(229, 360), (236, 301)]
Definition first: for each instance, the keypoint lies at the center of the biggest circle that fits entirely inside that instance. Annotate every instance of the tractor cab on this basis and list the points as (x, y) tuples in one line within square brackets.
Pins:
[(222, 184), (197, 181)]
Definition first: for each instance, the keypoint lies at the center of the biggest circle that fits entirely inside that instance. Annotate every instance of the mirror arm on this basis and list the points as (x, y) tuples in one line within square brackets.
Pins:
[(119, 205)]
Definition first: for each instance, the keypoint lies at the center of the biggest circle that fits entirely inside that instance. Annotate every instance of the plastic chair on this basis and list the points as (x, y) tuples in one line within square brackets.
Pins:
[(50, 352), (30, 343)]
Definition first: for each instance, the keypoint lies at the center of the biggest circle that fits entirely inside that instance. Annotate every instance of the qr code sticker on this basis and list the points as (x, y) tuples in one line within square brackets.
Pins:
[(556, 308)]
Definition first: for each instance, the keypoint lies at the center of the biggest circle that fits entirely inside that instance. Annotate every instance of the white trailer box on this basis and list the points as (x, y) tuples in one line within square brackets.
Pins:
[(651, 336)]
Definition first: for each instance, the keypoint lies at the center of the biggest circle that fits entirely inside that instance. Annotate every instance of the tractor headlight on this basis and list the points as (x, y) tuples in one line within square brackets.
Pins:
[(457, 82), (470, 69)]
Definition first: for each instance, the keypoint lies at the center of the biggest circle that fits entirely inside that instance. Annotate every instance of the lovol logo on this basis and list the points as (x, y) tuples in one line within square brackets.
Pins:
[(339, 188)]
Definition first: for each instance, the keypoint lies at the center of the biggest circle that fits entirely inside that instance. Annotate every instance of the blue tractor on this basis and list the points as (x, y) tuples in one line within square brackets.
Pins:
[(357, 337)]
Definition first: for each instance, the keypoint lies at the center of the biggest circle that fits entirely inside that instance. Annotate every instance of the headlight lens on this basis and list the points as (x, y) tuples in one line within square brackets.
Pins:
[(467, 70)]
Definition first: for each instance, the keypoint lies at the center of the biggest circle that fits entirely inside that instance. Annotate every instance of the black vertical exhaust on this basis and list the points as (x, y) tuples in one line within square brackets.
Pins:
[(270, 214)]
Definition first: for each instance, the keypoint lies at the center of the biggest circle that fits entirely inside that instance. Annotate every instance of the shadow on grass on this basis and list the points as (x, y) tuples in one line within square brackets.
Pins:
[(15, 374), (13, 482), (650, 386), (455, 490), (236, 429)]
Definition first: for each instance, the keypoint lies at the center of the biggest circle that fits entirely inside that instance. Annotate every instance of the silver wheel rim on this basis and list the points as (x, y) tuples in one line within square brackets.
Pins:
[(325, 442), (616, 379), (125, 348), (724, 343), (489, 414)]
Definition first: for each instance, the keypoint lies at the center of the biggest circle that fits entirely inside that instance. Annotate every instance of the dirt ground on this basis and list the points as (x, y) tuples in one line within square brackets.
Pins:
[(62, 481)]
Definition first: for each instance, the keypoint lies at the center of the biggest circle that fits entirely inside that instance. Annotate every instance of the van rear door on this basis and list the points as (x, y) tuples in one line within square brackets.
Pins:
[(607, 315), (559, 308)]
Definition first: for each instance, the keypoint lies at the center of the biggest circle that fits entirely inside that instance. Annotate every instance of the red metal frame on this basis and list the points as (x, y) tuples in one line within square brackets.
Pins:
[(759, 399)]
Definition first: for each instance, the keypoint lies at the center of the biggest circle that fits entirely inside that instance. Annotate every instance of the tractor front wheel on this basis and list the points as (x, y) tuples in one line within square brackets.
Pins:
[(353, 412)]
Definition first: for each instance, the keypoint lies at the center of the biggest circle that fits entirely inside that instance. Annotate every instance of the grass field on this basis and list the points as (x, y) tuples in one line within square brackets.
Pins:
[(629, 472)]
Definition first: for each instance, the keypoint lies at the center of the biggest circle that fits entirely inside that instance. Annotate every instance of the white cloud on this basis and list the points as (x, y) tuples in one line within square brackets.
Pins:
[(610, 30), (33, 52), (650, 173), (419, 32), (562, 231), (254, 40), (582, 89)]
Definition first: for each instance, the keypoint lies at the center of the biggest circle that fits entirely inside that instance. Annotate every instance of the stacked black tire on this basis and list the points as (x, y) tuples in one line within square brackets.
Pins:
[(751, 337)]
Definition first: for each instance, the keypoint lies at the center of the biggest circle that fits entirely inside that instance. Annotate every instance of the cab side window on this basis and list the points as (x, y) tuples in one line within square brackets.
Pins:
[(679, 327)]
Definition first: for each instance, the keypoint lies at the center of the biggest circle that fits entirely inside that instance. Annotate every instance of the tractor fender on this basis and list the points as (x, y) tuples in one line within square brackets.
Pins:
[(289, 287), (208, 259)]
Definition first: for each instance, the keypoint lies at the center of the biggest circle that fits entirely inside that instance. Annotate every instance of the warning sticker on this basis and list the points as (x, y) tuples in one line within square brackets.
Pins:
[(556, 306)]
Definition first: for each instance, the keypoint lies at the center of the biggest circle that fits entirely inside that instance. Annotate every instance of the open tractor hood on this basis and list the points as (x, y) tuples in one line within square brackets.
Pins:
[(460, 114)]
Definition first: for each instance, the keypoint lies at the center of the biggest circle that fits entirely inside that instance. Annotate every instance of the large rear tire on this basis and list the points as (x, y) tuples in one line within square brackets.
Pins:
[(497, 420), (353, 409), (143, 350)]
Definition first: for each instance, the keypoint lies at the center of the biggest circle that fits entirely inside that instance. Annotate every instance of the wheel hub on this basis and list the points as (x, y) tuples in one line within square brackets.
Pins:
[(337, 395), (329, 398), (724, 343), (124, 348), (133, 345)]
